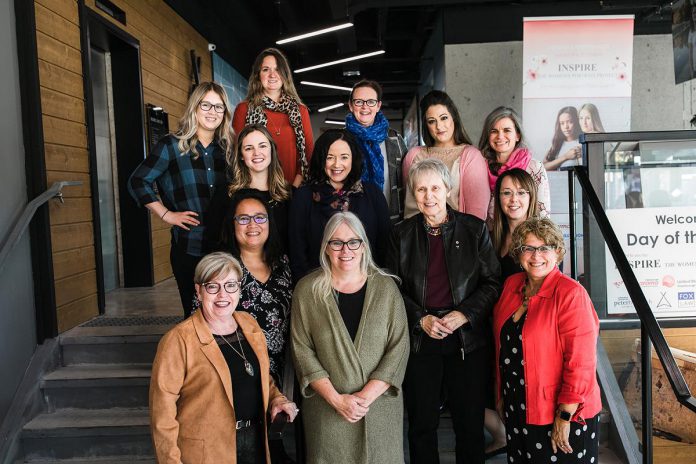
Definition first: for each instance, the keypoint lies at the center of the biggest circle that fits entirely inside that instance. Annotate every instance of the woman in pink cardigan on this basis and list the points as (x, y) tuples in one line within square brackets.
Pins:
[(446, 140)]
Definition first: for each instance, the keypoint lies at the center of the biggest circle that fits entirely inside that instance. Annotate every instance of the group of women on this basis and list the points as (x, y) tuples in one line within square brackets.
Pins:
[(281, 241)]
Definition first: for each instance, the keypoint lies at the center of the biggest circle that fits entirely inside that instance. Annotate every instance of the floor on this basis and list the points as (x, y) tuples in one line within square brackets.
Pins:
[(151, 306)]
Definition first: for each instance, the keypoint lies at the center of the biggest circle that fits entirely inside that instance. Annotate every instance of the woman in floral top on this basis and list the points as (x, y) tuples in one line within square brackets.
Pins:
[(249, 233)]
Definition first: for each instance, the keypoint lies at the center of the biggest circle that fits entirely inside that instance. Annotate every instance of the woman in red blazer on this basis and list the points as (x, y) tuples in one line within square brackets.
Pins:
[(546, 332)]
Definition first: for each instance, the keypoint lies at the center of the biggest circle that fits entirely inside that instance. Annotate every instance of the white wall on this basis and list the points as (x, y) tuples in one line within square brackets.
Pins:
[(480, 77)]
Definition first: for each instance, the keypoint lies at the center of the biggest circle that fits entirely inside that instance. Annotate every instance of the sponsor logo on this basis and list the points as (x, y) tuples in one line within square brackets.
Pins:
[(686, 299), (650, 283)]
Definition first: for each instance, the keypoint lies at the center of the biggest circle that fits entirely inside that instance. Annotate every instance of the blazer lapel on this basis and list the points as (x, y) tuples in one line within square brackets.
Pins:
[(212, 352)]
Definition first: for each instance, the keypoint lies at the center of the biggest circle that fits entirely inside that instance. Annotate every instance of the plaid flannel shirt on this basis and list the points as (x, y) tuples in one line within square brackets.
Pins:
[(183, 184)]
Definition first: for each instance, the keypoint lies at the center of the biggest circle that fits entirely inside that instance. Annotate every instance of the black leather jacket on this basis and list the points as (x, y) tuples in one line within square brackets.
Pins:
[(472, 266)]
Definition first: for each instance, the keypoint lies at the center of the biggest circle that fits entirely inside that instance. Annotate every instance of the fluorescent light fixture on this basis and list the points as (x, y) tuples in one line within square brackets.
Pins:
[(334, 121), (342, 60), (327, 86), (330, 107), (326, 30)]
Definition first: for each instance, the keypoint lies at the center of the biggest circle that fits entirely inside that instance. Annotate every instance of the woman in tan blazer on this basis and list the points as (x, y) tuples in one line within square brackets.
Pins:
[(199, 363)]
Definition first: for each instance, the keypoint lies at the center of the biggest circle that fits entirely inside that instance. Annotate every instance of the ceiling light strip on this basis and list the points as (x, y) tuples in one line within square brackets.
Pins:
[(330, 107), (334, 121), (343, 60), (326, 30), (327, 86)]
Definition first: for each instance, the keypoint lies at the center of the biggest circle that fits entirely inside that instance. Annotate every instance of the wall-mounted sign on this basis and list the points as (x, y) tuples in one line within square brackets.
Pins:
[(660, 244), (157, 124)]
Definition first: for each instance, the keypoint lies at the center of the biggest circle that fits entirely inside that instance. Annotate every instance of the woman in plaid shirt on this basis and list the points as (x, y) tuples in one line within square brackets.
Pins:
[(187, 166)]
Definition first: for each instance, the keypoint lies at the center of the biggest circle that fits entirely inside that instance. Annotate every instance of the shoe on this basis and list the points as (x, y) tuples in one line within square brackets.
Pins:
[(495, 452)]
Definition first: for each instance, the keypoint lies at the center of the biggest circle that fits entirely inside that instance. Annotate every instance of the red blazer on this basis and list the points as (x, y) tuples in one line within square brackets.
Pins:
[(286, 141), (559, 340)]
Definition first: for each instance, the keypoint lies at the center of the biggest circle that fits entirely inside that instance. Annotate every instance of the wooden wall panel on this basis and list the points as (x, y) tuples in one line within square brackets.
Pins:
[(165, 40)]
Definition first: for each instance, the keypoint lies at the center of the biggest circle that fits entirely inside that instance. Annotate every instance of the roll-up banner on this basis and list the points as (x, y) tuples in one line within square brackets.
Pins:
[(576, 78)]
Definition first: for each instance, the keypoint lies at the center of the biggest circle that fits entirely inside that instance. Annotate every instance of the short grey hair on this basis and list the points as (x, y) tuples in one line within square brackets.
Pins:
[(216, 265), (429, 165)]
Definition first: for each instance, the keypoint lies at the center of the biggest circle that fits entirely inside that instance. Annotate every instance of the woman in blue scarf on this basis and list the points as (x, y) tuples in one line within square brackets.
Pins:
[(383, 147)]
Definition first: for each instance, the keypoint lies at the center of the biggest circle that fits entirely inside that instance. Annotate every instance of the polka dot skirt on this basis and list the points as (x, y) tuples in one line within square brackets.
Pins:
[(532, 443)]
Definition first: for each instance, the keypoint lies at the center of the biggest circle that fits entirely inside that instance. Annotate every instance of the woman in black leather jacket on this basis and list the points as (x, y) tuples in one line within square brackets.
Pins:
[(450, 282)]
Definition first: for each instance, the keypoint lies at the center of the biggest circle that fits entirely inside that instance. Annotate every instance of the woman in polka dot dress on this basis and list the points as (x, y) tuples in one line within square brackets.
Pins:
[(546, 331)]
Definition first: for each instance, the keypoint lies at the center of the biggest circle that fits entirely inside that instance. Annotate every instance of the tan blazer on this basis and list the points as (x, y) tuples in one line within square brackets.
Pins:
[(191, 410)]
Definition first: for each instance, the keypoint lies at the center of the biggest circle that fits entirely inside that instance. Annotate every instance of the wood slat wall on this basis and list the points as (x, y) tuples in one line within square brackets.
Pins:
[(165, 40)]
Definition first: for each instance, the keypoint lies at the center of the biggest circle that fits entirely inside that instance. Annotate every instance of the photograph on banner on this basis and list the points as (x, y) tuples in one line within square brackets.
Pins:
[(684, 40), (662, 254), (553, 125)]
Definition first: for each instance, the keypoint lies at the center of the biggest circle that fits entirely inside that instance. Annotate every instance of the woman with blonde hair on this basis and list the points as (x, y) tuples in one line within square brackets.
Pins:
[(189, 168), (590, 122), (272, 101), (350, 346)]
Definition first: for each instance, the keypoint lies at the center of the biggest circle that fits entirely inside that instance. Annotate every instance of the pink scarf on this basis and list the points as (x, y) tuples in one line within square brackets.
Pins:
[(518, 159)]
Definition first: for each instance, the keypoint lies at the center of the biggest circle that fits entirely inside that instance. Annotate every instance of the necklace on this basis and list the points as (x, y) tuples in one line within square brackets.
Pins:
[(434, 230), (275, 129), (247, 365)]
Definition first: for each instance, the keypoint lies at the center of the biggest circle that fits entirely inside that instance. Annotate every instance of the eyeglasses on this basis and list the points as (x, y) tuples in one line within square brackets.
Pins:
[(205, 106), (360, 102), (352, 244), (244, 219), (214, 288), (510, 193), (543, 249)]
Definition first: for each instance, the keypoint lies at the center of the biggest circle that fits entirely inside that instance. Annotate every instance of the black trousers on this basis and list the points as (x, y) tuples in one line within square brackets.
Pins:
[(439, 364), (183, 266)]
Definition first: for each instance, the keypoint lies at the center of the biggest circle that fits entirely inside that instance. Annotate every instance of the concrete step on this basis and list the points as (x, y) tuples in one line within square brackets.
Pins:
[(122, 349), (87, 434), (97, 386)]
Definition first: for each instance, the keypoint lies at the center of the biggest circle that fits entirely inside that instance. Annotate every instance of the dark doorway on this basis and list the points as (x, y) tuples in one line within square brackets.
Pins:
[(115, 122)]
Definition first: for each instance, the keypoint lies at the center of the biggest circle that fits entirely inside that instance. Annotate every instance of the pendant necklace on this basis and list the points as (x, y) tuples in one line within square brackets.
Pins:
[(247, 365), (275, 129)]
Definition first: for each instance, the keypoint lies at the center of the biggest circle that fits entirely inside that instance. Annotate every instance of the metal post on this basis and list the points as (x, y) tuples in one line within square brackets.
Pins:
[(646, 399), (571, 222)]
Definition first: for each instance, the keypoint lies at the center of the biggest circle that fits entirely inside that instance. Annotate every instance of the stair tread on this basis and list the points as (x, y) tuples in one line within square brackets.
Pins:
[(99, 371), (104, 460), (89, 418)]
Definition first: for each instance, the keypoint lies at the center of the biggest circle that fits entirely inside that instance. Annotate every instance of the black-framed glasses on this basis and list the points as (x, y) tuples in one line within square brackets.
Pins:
[(244, 219), (213, 288), (205, 106), (360, 102), (543, 249), (352, 244)]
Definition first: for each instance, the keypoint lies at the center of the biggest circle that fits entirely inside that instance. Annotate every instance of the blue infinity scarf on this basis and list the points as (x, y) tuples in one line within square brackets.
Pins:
[(369, 139)]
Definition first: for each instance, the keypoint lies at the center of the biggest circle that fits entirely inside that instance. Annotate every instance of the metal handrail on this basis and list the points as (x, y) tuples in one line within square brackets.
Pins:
[(22, 223), (647, 318)]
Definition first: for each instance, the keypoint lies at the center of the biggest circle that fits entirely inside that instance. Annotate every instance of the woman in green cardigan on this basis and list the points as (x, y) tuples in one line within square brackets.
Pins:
[(350, 346)]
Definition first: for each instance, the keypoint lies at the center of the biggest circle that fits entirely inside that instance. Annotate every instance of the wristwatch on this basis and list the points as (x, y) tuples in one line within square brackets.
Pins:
[(564, 415)]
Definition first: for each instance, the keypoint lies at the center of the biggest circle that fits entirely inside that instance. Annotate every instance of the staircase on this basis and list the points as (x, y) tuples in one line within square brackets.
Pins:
[(97, 401)]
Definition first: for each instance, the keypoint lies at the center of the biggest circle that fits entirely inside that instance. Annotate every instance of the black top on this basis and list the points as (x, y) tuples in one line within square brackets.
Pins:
[(350, 305), (311, 208), (246, 390), (508, 267)]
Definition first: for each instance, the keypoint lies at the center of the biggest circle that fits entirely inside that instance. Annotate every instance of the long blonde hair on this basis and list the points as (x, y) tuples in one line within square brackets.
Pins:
[(321, 287), (239, 172), (188, 124), (255, 90)]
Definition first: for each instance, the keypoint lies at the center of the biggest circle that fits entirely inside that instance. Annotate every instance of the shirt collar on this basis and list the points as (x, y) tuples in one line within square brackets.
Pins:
[(547, 286)]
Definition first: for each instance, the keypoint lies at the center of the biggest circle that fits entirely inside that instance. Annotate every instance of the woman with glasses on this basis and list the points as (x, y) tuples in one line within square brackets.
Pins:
[(514, 201), (254, 166), (333, 186), (211, 388), (502, 145), (450, 282), (383, 147), (546, 330), (249, 233), (446, 140), (272, 101), (350, 348), (189, 169)]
